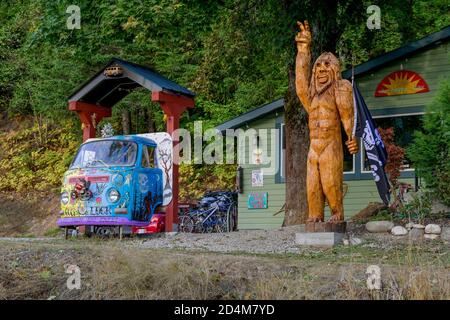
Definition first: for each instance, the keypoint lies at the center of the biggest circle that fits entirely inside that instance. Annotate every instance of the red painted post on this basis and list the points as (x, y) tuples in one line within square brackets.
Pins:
[(173, 106), (173, 123), (90, 115), (88, 131)]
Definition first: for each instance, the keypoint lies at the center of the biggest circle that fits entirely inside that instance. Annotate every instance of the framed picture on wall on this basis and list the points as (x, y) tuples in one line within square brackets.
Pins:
[(257, 200), (257, 178)]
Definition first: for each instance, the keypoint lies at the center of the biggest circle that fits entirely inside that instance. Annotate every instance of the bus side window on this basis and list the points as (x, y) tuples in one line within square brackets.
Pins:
[(151, 156), (145, 160), (148, 157)]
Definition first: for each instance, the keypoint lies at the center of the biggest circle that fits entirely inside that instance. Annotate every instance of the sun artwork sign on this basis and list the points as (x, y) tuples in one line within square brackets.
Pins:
[(401, 82)]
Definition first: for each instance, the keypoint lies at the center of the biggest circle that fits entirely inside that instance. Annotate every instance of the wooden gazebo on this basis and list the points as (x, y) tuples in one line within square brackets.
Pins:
[(94, 100)]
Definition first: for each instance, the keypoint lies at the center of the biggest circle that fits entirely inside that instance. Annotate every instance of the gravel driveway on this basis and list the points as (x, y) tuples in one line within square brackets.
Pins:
[(281, 240)]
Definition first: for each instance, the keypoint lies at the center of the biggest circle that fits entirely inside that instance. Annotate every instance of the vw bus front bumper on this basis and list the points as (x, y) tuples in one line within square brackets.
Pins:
[(99, 221)]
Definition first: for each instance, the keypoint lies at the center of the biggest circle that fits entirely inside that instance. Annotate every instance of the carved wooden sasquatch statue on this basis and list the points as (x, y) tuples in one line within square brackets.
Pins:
[(327, 99)]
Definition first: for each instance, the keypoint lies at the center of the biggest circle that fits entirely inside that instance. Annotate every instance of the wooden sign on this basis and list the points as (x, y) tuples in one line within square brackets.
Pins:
[(401, 82), (257, 200)]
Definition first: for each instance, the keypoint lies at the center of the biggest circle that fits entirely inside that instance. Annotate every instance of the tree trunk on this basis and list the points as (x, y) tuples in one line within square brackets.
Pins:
[(322, 18), (141, 121), (3, 117), (150, 120), (297, 145), (126, 121)]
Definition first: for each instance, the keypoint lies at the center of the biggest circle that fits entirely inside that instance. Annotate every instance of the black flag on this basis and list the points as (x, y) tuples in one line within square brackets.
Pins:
[(373, 145)]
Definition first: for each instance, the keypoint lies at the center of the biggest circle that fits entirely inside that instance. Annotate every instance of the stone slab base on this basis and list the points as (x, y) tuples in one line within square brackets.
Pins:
[(320, 239), (338, 227)]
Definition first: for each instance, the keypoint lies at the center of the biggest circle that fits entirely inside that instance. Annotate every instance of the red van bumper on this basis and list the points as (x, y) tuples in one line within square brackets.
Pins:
[(157, 224)]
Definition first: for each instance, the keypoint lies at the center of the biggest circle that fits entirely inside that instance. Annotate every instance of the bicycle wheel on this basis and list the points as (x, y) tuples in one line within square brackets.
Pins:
[(218, 223), (198, 224), (186, 224), (231, 215), (225, 222), (207, 228)]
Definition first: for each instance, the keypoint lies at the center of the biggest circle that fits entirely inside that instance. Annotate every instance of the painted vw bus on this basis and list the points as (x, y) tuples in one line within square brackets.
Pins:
[(117, 183)]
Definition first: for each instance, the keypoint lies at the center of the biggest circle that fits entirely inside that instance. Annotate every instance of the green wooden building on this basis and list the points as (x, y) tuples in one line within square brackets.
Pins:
[(396, 87)]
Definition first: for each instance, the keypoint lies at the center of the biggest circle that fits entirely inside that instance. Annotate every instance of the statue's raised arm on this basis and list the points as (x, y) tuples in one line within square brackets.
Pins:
[(302, 64)]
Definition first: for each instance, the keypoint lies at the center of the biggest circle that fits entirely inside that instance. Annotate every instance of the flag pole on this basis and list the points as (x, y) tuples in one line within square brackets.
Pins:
[(354, 100)]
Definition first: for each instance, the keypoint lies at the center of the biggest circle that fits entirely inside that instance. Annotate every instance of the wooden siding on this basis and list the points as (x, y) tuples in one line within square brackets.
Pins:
[(432, 65), (261, 218), (359, 194)]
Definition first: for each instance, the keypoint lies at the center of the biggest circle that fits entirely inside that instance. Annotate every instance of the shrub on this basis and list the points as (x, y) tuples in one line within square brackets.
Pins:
[(395, 153), (34, 157), (418, 208), (430, 150), (195, 180)]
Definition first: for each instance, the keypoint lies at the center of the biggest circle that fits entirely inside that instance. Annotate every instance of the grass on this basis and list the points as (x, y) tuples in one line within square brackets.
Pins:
[(53, 232), (25, 235), (114, 270), (382, 215)]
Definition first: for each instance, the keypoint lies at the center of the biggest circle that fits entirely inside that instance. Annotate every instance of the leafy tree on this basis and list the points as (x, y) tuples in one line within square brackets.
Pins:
[(430, 150)]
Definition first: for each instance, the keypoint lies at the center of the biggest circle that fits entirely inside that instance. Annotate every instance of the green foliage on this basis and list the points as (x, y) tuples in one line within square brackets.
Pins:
[(195, 180), (234, 54), (382, 215), (401, 22), (418, 208), (430, 150), (35, 156), (53, 232), (395, 156)]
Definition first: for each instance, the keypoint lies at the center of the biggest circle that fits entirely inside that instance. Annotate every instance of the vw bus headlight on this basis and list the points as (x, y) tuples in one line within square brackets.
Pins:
[(65, 197), (113, 195)]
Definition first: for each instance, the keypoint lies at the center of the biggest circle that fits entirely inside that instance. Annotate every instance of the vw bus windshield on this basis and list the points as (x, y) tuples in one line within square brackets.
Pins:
[(106, 153)]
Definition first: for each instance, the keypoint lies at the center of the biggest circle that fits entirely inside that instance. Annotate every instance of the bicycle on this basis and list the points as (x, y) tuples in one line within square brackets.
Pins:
[(217, 212)]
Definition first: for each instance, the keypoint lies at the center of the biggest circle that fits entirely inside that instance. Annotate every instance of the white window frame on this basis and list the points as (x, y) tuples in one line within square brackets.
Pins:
[(282, 153), (353, 165)]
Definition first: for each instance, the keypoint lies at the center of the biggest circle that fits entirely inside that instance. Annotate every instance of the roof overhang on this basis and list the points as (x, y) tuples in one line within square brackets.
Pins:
[(106, 90), (252, 115), (401, 52)]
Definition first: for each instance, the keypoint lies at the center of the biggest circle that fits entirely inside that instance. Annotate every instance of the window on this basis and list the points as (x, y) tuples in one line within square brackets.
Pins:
[(148, 157), (283, 152), (105, 153), (151, 156), (404, 127), (257, 151), (349, 159)]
